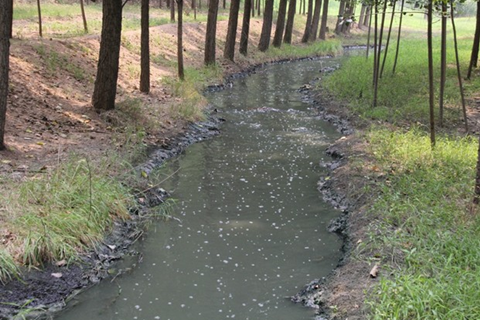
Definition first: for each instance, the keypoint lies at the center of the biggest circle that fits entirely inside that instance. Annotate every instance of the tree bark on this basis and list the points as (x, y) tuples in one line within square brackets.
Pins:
[(476, 44), (6, 9), (105, 88), (10, 18), (430, 73), (361, 18), (172, 10), (246, 26), (84, 17), (194, 7), (388, 38), (457, 60), (323, 24), (229, 52), (398, 37), (369, 25), (443, 63), (211, 32), (308, 24), (40, 32), (277, 38), (315, 21), (181, 72), (290, 19), (145, 48), (264, 42)]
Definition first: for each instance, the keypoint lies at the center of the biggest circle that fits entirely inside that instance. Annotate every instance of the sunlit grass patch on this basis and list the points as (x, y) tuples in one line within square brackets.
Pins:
[(424, 201)]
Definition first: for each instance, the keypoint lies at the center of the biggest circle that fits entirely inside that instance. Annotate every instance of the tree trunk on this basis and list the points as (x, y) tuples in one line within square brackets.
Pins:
[(181, 72), (84, 17), (476, 197), (375, 56), (246, 26), (282, 9), (308, 24), (398, 37), (476, 44), (211, 32), (160, 4), (259, 8), (105, 88), (229, 52), (430, 74), (315, 21), (172, 10), (443, 63), (388, 38), (368, 15), (145, 48), (39, 19), (323, 24), (10, 18), (369, 25), (224, 4), (6, 9), (457, 60), (266, 27), (362, 16), (194, 7), (290, 19), (340, 20)]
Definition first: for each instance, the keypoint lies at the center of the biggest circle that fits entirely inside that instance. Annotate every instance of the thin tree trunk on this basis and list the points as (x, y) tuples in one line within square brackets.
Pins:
[(84, 17), (259, 9), (340, 19), (252, 8), (6, 9), (430, 74), (369, 31), (476, 44), (459, 74), (248, 6), (287, 38), (398, 37), (181, 72), (145, 47), (105, 88), (160, 4), (10, 23), (388, 38), (194, 6), (306, 33), (378, 49), (323, 24), (368, 15), (375, 55), (362, 16), (211, 32), (277, 38), (476, 197), (443, 63), (224, 4), (266, 27), (39, 19), (229, 52), (304, 7), (315, 21), (172, 10)]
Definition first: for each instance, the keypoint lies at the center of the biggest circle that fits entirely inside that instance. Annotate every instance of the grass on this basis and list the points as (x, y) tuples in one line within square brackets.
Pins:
[(55, 61), (425, 203)]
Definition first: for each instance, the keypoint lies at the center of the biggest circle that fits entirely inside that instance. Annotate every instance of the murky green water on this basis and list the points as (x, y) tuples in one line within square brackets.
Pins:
[(253, 225)]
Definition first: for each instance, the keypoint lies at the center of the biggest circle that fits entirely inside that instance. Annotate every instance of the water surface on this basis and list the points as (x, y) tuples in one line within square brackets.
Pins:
[(252, 228)]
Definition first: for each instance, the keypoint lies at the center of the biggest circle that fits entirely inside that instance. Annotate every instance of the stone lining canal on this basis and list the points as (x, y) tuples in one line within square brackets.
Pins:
[(251, 228)]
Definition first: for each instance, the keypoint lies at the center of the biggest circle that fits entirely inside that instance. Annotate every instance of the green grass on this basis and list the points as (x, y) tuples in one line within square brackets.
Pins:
[(63, 212), (424, 206), (55, 61)]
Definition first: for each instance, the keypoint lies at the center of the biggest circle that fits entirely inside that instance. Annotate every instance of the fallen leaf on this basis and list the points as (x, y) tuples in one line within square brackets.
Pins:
[(144, 174), (61, 263), (57, 275), (374, 271), (112, 247)]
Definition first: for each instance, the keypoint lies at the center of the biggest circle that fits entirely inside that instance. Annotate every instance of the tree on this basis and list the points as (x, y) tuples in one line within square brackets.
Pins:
[(145, 48), (6, 9), (105, 88), (315, 21), (172, 11), (39, 19), (323, 24), (341, 17), (388, 37), (10, 24), (476, 44), (287, 38), (277, 38), (266, 27), (398, 37), (430, 73), (246, 26), (181, 72), (211, 32), (229, 52), (306, 33), (443, 62), (84, 17)]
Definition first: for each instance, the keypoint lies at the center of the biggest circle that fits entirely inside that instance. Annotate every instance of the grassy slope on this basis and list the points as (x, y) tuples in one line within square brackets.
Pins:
[(423, 230), (40, 215)]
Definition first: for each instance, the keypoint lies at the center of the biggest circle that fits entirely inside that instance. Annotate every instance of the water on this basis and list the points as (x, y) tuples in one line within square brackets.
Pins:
[(253, 225)]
